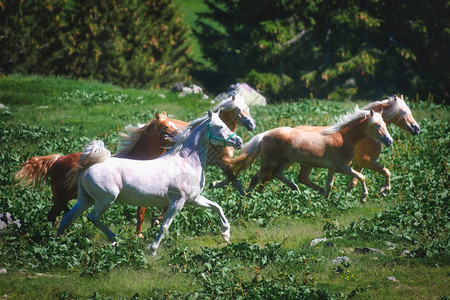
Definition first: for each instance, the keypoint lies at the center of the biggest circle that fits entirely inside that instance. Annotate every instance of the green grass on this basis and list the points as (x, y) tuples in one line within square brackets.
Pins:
[(56, 115)]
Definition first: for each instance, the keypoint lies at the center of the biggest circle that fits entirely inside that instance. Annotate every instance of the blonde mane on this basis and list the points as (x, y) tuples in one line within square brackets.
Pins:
[(392, 107), (230, 103), (348, 119)]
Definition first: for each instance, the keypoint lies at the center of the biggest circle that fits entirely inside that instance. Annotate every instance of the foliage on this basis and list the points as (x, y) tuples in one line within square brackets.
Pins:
[(414, 214), (329, 49), (131, 43)]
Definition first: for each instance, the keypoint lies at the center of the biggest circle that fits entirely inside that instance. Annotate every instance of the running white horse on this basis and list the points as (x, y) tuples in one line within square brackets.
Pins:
[(175, 179)]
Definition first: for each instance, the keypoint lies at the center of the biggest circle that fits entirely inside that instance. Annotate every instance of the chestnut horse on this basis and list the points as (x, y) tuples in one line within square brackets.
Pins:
[(328, 147), (233, 112), (148, 141), (394, 110)]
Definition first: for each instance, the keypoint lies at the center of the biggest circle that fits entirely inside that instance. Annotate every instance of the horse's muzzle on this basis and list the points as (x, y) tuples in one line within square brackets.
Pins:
[(388, 141), (414, 129), (237, 142)]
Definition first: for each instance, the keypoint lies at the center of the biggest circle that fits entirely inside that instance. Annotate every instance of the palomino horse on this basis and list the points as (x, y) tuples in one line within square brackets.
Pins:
[(394, 111), (330, 147), (233, 111), (175, 179), (149, 141)]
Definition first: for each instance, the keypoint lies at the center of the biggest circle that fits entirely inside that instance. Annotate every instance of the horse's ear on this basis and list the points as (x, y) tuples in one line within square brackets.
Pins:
[(401, 96), (233, 97), (210, 114), (371, 113), (157, 116), (164, 113)]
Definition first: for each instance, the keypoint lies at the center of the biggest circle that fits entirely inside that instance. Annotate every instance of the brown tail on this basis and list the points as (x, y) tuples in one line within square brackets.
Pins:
[(94, 153), (35, 170), (250, 152)]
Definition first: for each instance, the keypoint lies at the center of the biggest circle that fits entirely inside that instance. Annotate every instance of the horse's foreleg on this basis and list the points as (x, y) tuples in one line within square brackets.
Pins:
[(330, 181), (262, 173), (353, 181), (206, 203), (373, 165), (140, 214), (346, 170), (173, 209), (95, 215), (303, 177), (158, 220)]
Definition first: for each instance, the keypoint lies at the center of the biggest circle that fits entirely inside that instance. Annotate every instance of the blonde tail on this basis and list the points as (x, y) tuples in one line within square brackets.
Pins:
[(94, 153), (36, 169), (250, 152)]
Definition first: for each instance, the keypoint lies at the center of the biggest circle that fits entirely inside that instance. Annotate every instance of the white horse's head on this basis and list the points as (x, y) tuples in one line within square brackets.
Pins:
[(219, 134)]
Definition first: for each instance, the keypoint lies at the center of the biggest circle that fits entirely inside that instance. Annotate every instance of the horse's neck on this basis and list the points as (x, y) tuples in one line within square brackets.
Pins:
[(383, 108), (354, 132), (229, 118), (195, 148)]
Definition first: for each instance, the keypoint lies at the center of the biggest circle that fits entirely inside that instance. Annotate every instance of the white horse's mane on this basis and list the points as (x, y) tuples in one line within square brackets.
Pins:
[(347, 119), (179, 139), (392, 107)]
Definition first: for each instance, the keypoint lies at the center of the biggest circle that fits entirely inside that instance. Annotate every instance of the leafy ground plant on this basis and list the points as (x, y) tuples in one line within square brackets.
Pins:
[(270, 254)]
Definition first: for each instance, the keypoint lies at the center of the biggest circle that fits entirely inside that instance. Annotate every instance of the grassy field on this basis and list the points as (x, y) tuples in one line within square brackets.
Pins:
[(269, 256)]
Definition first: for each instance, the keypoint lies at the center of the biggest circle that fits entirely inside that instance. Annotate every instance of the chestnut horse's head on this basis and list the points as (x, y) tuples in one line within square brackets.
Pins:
[(166, 128), (234, 110)]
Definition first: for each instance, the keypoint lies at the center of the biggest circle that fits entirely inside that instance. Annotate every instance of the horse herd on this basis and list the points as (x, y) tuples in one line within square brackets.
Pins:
[(162, 163)]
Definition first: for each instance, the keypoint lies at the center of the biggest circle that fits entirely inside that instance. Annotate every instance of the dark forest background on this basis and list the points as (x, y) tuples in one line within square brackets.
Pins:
[(288, 49)]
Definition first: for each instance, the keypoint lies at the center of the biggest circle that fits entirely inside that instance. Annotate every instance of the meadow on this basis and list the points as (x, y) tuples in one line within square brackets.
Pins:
[(269, 256)]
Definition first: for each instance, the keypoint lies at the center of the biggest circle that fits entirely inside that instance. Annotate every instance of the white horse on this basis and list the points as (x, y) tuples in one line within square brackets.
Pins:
[(175, 179)]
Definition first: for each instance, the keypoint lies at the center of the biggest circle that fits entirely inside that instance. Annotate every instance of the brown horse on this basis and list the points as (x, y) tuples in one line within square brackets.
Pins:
[(327, 147), (233, 112), (394, 110), (146, 142)]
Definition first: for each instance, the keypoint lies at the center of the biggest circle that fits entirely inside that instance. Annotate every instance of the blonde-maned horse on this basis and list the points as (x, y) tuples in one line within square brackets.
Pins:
[(175, 179), (328, 147), (233, 111), (394, 110), (146, 142)]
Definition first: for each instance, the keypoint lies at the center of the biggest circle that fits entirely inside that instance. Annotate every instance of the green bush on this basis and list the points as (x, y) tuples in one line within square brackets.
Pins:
[(129, 43)]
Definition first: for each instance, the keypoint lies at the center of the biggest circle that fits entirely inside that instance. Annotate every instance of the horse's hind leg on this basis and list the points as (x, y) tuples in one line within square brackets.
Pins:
[(263, 172), (97, 212), (83, 203), (330, 181), (140, 215), (158, 220), (174, 207), (206, 203), (279, 173), (303, 177)]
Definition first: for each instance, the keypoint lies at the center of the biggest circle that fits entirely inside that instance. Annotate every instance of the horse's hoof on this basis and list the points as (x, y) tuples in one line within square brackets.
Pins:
[(155, 223), (363, 199), (114, 244), (384, 190), (226, 236), (140, 235)]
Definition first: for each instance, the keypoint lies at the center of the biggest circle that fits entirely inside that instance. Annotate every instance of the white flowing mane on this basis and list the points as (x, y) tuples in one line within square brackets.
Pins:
[(393, 106), (128, 141), (179, 139), (347, 119)]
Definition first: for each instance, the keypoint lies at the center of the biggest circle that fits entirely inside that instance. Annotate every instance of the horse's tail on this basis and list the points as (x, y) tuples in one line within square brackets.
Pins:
[(95, 152), (249, 153), (35, 170)]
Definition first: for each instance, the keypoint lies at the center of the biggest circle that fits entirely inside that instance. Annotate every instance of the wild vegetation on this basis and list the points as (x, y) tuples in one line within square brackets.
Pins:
[(269, 255)]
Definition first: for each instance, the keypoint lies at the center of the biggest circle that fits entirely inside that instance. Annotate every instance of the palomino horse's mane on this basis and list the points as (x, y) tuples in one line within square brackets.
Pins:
[(392, 107), (347, 120), (230, 103), (179, 139), (128, 141)]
